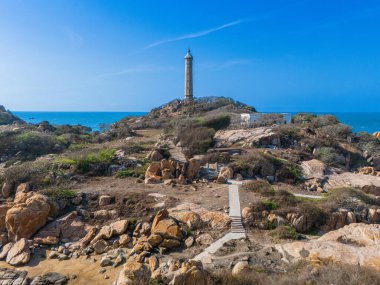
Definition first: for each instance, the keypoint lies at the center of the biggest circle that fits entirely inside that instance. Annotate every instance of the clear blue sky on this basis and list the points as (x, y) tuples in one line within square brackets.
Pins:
[(90, 55)]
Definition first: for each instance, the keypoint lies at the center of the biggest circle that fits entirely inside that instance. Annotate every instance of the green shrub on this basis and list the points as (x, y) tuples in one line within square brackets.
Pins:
[(105, 157), (302, 118), (59, 193), (269, 205), (137, 171), (326, 154), (260, 186), (196, 139), (324, 120), (217, 122), (286, 232), (336, 131), (295, 172), (77, 146)]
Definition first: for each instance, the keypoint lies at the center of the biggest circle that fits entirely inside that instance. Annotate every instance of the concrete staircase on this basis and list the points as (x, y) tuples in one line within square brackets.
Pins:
[(237, 225)]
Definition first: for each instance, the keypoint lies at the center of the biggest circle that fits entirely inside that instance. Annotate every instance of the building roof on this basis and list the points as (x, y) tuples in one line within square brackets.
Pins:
[(188, 55)]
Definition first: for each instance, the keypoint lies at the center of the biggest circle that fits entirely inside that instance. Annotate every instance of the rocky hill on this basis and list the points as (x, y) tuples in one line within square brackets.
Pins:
[(177, 109), (7, 118), (200, 106)]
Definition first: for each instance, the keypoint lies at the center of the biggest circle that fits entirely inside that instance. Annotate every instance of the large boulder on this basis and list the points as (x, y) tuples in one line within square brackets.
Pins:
[(153, 171), (191, 219), (67, 228), (313, 168), (13, 277), (191, 273), (193, 167), (188, 213), (240, 269), (356, 244), (19, 253), (23, 220), (155, 155), (262, 136), (3, 211), (133, 273), (352, 179), (215, 220), (169, 229), (225, 173), (7, 189)]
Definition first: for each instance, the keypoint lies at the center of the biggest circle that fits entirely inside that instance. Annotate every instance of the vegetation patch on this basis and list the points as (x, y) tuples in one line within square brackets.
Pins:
[(59, 193)]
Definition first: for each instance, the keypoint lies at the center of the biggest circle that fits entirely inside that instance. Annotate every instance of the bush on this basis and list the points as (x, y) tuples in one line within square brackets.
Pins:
[(269, 205), (302, 273), (121, 129), (286, 232), (302, 118), (137, 171), (336, 131), (103, 157), (217, 122), (196, 139), (326, 154), (59, 193), (260, 186), (323, 120), (27, 172)]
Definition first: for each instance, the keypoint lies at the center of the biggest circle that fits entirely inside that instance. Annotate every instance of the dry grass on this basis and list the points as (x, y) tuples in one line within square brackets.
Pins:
[(301, 274)]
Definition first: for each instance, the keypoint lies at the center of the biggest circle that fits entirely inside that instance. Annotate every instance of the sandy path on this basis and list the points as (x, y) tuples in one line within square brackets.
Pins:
[(85, 269)]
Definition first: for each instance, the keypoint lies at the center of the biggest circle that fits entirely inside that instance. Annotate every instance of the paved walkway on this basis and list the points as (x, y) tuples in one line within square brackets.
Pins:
[(308, 196), (237, 229)]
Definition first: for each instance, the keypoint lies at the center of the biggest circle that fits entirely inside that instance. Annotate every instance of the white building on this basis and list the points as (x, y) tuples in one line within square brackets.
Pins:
[(277, 118)]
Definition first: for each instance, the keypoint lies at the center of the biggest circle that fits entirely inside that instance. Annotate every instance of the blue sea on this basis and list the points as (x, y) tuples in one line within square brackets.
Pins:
[(368, 122), (88, 119)]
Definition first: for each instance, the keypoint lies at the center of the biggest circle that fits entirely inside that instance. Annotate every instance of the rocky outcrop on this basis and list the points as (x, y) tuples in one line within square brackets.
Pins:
[(262, 136), (24, 219), (225, 173), (67, 228), (352, 179), (155, 155), (19, 253), (7, 118), (240, 269), (188, 213), (170, 169), (368, 170), (13, 277), (166, 227), (313, 169), (134, 272), (190, 273), (356, 244)]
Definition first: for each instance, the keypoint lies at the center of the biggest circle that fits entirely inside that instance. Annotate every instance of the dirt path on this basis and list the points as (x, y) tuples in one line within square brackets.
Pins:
[(86, 270)]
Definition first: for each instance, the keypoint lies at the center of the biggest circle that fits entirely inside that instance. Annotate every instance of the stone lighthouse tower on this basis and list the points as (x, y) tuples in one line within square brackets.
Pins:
[(188, 77)]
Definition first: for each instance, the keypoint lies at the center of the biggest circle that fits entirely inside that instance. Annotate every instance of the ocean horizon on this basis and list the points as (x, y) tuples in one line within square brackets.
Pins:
[(359, 121)]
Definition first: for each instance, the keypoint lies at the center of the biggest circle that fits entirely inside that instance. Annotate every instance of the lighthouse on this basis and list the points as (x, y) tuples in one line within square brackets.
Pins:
[(188, 77)]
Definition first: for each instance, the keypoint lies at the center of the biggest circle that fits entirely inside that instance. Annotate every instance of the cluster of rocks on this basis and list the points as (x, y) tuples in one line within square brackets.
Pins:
[(173, 272), (368, 170), (171, 171), (17, 277), (314, 172), (303, 223)]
